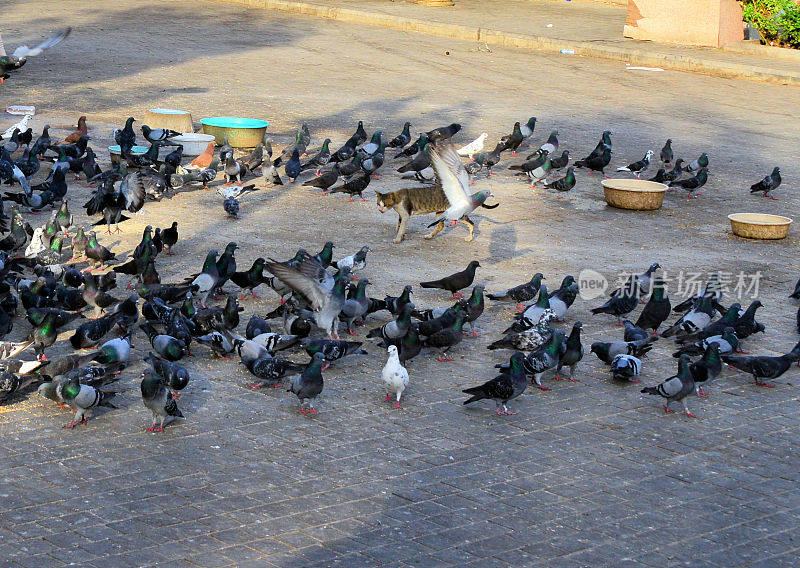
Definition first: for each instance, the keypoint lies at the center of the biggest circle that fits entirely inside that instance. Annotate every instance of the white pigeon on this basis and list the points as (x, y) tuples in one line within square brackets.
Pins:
[(395, 376), (37, 244), (473, 147), (355, 262), (22, 125), (235, 191), (454, 179)]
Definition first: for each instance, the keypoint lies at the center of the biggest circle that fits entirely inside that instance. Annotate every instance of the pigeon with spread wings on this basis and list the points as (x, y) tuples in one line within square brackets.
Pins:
[(115, 195), (454, 179)]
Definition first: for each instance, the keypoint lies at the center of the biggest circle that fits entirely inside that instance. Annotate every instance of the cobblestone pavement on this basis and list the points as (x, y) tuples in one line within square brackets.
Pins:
[(588, 474)]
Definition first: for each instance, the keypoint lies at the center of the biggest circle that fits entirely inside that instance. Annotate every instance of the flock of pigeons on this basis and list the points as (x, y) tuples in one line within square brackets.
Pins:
[(317, 293)]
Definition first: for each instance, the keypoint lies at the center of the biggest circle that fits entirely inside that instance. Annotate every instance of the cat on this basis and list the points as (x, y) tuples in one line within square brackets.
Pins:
[(418, 201)]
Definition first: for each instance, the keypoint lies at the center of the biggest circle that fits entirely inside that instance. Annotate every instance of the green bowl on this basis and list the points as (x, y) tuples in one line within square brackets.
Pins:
[(240, 132)]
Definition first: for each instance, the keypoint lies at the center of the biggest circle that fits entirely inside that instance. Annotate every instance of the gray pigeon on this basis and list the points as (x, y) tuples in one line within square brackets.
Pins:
[(158, 399), (308, 384), (676, 388)]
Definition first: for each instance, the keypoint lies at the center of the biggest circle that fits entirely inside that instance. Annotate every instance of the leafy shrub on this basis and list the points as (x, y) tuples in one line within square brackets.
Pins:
[(778, 21)]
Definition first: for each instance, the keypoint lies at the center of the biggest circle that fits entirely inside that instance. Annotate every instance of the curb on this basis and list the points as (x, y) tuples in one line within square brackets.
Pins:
[(524, 41)]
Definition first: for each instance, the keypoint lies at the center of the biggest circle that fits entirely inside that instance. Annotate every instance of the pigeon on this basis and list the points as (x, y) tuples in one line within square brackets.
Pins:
[(158, 399), (231, 206), (621, 304), (20, 56), (15, 129), (764, 367), (770, 182), (638, 168), (447, 338), (455, 282), (531, 315), (395, 304), (528, 128), (676, 388), (706, 368), (660, 176), (521, 293), (174, 376), (699, 164), (606, 351), (540, 173), (208, 279), (633, 332), (126, 138), (535, 161), (746, 325), (697, 318), (113, 197), (513, 140), (796, 293), (529, 339), (626, 368), (667, 155), (308, 385), (545, 358), (219, 343), (293, 167), (657, 309), (573, 352), (504, 387), (560, 162), (596, 163), (325, 180), (354, 186), (395, 376), (325, 304), (320, 159), (692, 184), (158, 134), (396, 328), (370, 147), (727, 342), (403, 138), (354, 262), (473, 147), (561, 300), (675, 172), (169, 236), (332, 350), (166, 346), (82, 398), (552, 143), (563, 184), (442, 133), (729, 319)]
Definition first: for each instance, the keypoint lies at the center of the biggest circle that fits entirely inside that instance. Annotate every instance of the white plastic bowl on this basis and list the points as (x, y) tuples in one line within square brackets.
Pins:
[(194, 143)]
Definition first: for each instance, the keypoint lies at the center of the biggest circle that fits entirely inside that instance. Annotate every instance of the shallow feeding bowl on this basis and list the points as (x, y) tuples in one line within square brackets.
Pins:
[(637, 194), (240, 132), (170, 118), (759, 225), (116, 154), (194, 143)]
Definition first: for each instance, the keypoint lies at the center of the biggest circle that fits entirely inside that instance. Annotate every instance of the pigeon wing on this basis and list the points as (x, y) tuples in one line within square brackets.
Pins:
[(300, 283), (451, 173)]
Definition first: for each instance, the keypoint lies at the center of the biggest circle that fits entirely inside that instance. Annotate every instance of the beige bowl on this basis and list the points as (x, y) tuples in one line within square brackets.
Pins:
[(759, 225), (636, 194), (173, 119)]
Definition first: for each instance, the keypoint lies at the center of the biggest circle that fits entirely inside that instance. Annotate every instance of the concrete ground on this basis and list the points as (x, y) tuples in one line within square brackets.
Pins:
[(587, 474)]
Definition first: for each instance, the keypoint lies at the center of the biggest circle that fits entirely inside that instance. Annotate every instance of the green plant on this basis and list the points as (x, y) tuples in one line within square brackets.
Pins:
[(777, 20)]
